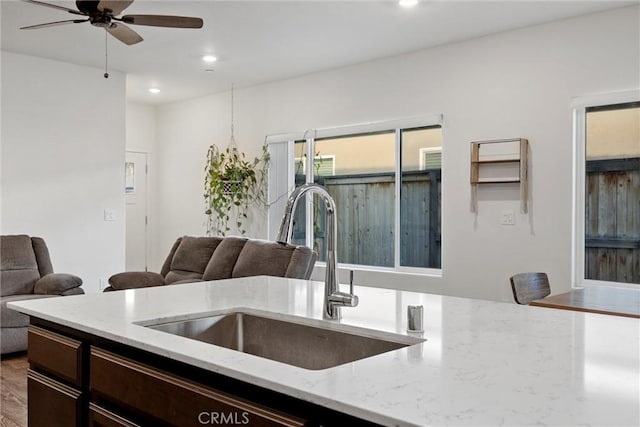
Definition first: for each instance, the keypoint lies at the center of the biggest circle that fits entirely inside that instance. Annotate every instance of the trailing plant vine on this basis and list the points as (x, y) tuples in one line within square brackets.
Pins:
[(231, 185)]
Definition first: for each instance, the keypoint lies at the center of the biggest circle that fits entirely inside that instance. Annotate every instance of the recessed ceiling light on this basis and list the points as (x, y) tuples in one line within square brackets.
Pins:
[(408, 3), (154, 90), (209, 58)]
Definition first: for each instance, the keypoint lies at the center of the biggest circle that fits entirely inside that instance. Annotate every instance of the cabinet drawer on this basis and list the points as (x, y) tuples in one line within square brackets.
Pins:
[(56, 354), (100, 417), (171, 399), (52, 403)]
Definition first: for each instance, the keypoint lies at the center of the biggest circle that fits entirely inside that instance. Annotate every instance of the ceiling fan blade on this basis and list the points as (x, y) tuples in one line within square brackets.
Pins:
[(52, 24), (163, 21), (115, 6), (123, 33), (54, 6)]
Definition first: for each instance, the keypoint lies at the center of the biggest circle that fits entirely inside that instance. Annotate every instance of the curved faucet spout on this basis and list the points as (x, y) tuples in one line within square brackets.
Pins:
[(334, 299)]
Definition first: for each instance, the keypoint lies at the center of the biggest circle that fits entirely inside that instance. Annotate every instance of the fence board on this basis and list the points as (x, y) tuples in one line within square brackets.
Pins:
[(612, 221), (365, 214), (415, 206), (365, 209)]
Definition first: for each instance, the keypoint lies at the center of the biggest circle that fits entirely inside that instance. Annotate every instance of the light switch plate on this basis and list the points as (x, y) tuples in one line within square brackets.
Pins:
[(508, 217), (109, 215)]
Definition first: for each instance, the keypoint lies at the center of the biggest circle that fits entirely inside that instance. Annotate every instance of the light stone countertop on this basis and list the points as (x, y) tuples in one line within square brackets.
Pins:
[(484, 363)]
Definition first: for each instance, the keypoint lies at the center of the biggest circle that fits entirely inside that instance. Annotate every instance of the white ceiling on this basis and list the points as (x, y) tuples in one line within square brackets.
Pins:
[(261, 41)]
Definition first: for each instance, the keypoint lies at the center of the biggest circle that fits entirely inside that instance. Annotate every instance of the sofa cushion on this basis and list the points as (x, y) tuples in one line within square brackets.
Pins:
[(18, 282), (193, 254), (42, 256), (13, 319), (224, 259), (17, 253), (259, 257), (18, 265), (301, 265), (181, 276)]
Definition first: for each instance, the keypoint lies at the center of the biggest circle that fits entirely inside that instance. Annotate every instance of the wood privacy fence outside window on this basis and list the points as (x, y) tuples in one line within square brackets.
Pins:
[(365, 205), (612, 220)]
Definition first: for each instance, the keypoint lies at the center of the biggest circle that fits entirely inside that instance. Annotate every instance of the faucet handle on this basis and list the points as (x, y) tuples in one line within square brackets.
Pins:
[(351, 282)]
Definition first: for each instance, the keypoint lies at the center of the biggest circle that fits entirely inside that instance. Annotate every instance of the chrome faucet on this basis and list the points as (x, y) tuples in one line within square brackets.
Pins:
[(333, 298)]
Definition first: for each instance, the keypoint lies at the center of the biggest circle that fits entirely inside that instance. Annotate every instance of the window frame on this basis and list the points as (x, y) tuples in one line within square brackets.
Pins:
[(579, 109), (395, 126)]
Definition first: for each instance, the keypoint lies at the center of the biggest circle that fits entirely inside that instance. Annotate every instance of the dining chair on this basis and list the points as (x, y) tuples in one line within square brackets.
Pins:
[(527, 287)]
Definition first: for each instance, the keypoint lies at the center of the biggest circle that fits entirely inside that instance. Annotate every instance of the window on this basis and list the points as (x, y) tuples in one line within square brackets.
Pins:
[(608, 237), (322, 165), (386, 183), (430, 158)]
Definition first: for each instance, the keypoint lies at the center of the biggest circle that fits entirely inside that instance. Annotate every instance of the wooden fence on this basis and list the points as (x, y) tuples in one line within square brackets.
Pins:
[(612, 220), (365, 205)]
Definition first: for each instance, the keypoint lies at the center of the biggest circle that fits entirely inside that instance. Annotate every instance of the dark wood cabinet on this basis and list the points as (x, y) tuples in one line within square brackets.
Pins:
[(100, 417), (79, 379), (55, 354), (167, 397), (52, 403)]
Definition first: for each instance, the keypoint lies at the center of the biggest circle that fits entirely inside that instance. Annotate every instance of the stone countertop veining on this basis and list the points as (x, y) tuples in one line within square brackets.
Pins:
[(483, 363)]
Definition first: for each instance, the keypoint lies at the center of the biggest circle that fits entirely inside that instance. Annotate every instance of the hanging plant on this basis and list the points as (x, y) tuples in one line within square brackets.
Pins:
[(231, 185)]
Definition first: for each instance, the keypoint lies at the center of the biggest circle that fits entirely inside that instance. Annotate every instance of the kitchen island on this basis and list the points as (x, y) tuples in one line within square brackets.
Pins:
[(483, 362)]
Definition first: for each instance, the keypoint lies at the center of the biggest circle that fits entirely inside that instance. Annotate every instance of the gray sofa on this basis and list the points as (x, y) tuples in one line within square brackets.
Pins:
[(26, 273), (193, 259)]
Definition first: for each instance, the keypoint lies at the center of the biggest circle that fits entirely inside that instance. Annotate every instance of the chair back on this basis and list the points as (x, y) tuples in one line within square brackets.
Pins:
[(23, 260), (527, 287)]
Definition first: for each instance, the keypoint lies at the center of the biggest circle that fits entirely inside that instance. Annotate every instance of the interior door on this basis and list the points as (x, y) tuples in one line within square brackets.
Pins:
[(136, 212)]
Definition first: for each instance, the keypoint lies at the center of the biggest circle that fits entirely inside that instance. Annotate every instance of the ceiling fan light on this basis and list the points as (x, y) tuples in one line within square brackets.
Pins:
[(154, 90), (209, 58)]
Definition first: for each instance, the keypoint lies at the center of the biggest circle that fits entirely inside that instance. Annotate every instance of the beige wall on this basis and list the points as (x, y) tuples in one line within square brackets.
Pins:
[(613, 134), (375, 153)]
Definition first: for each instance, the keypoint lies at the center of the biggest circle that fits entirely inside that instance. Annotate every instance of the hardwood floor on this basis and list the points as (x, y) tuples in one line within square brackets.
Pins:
[(13, 390)]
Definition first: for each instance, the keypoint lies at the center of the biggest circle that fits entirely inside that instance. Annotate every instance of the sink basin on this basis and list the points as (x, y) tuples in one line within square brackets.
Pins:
[(291, 342)]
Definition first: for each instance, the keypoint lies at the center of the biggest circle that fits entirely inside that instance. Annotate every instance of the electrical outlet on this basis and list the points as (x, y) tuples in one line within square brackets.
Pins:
[(102, 284), (508, 218)]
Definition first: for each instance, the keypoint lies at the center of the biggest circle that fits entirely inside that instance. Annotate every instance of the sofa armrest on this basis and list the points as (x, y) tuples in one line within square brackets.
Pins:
[(135, 279), (56, 284)]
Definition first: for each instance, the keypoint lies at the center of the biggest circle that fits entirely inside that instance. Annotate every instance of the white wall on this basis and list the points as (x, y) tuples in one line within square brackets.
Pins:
[(509, 85), (63, 133)]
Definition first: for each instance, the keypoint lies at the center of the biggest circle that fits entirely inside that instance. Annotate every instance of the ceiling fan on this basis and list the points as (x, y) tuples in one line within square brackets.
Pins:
[(103, 13)]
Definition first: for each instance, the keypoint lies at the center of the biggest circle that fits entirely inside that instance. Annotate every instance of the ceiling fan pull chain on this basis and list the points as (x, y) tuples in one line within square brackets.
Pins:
[(106, 57)]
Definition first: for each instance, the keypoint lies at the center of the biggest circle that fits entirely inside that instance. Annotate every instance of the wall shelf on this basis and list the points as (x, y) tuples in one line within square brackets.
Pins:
[(499, 162)]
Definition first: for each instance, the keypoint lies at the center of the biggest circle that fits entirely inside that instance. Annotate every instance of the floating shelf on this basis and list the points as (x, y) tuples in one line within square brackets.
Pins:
[(499, 162)]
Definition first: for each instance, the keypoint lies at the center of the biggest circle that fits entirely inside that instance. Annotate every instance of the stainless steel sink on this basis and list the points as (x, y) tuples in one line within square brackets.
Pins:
[(291, 342)]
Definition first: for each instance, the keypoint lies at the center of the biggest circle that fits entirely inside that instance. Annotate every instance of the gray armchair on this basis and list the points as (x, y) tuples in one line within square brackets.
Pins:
[(26, 273), (195, 259)]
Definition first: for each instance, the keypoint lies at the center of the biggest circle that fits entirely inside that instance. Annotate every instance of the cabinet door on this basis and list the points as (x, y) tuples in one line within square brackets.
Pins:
[(100, 417), (173, 400), (55, 354), (52, 403)]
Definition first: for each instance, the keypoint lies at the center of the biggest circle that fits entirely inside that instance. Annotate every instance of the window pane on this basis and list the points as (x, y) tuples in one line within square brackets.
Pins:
[(420, 196), (299, 234), (363, 187), (612, 193)]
